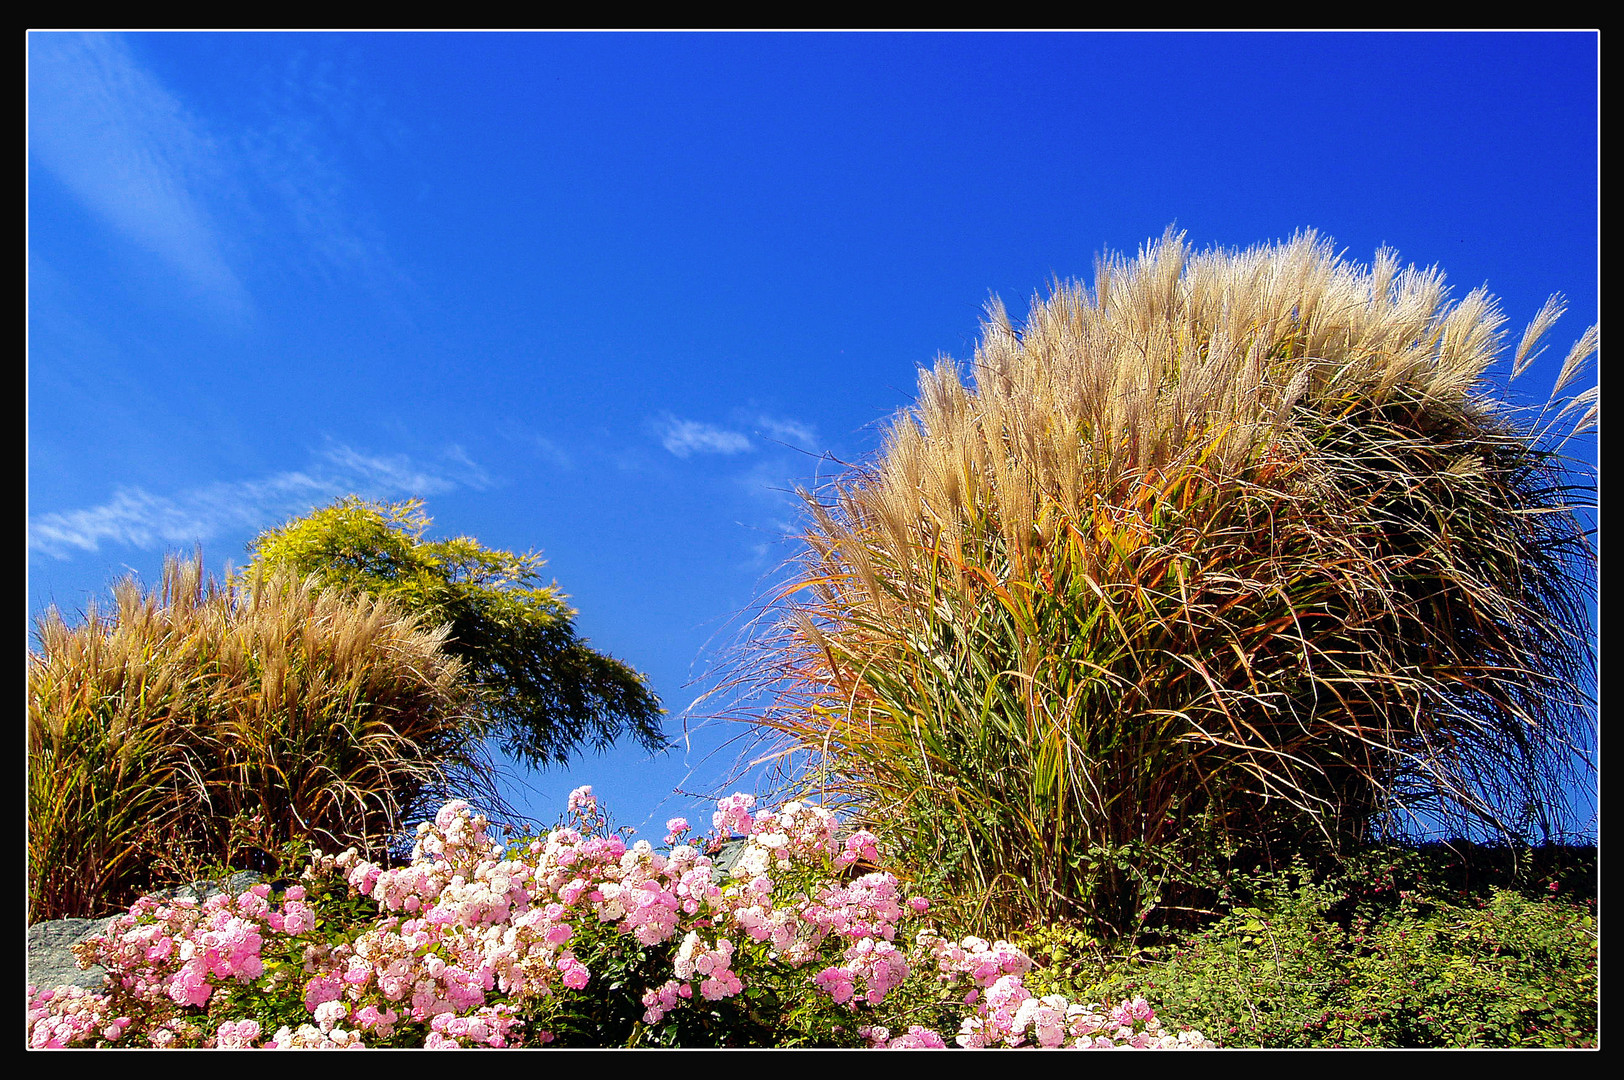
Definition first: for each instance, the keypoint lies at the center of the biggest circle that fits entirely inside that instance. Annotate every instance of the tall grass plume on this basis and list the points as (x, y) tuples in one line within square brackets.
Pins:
[(157, 721), (1228, 554)]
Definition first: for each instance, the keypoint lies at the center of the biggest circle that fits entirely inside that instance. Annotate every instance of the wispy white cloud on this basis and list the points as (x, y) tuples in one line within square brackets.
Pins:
[(472, 474), (289, 157), (529, 441), (211, 200), (550, 452), (797, 434), (136, 518), (686, 437), (130, 152)]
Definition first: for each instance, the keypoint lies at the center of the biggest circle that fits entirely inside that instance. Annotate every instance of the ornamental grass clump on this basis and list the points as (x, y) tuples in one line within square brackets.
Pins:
[(1230, 555), (156, 723)]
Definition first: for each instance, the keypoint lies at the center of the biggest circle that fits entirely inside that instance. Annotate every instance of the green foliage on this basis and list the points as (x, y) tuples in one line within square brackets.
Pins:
[(160, 729), (545, 692), (1223, 562), (1386, 954), (609, 1013)]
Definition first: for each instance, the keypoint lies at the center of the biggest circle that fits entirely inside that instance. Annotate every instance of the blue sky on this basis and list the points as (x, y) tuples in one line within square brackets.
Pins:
[(614, 297)]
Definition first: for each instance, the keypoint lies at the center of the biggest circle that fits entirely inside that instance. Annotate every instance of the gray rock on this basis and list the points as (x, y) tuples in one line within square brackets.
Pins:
[(51, 962), (50, 957)]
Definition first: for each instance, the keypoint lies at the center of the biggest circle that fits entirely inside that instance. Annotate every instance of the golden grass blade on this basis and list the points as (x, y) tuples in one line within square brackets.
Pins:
[(1232, 538)]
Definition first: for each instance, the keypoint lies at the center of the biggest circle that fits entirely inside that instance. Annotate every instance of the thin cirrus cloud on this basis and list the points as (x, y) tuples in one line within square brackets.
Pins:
[(198, 196), (791, 432), (130, 152), (138, 519), (685, 438), (290, 162)]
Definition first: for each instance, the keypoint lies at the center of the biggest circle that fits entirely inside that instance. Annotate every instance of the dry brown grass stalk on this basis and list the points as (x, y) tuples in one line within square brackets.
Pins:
[(1229, 550), (156, 723)]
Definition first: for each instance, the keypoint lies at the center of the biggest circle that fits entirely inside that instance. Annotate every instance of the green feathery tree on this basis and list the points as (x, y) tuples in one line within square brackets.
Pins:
[(541, 688)]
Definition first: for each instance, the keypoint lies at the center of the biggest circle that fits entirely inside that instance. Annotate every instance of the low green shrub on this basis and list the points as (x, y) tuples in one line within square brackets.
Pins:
[(1511, 971), (1505, 970)]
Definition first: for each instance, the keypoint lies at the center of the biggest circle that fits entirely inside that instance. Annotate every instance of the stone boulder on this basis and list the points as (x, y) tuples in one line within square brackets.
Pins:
[(51, 962)]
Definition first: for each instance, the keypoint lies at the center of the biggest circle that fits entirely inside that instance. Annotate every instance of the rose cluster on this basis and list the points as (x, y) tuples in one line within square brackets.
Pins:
[(471, 945)]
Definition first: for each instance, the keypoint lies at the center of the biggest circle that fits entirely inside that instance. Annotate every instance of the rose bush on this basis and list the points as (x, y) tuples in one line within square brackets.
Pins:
[(575, 937)]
